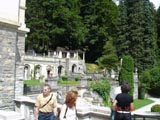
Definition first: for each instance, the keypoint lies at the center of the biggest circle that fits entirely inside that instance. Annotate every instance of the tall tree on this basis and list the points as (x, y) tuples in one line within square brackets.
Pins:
[(109, 58), (56, 23), (122, 41), (142, 33), (158, 32), (126, 72), (67, 28), (141, 37), (99, 16), (36, 20)]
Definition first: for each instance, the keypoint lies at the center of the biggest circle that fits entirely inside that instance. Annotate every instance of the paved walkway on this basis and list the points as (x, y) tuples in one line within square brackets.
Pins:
[(146, 109)]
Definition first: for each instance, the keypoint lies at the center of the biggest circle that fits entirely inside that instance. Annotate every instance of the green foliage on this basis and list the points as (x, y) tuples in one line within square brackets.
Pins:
[(155, 81), (77, 78), (144, 79), (100, 19), (102, 87), (91, 68), (155, 77), (144, 83), (126, 72), (109, 59), (158, 30), (122, 41), (137, 32), (64, 78), (54, 23), (155, 108)]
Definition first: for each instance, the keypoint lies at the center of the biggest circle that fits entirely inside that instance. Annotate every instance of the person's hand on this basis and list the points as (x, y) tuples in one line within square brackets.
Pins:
[(35, 118)]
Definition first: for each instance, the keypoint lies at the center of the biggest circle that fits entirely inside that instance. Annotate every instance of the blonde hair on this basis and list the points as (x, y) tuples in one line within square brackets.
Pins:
[(71, 98)]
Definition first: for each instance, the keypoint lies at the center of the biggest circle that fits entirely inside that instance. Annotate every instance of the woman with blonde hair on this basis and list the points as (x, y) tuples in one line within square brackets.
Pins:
[(68, 109)]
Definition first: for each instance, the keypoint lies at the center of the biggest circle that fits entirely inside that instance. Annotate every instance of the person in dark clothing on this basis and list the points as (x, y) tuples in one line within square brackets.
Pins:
[(123, 104)]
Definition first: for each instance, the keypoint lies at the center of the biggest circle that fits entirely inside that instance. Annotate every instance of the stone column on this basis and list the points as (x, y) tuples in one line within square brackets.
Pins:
[(84, 56), (135, 84)]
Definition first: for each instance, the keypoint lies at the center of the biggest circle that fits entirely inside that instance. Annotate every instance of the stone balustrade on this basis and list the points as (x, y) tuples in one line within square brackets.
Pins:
[(24, 110), (25, 106)]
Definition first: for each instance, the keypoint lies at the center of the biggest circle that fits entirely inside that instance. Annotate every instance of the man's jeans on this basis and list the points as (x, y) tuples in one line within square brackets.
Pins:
[(113, 113), (44, 116)]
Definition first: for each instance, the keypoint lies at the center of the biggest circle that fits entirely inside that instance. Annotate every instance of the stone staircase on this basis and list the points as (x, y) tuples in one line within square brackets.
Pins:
[(10, 115)]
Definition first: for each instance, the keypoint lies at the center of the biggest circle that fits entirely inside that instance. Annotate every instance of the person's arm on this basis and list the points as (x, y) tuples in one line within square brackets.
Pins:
[(62, 113), (36, 110), (55, 112), (114, 105), (132, 107)]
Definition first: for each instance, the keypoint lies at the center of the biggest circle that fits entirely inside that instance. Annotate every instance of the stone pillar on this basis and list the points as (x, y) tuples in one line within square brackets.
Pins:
[(135, 84), (68, 54), (60, 54), (77, 55), (67, 67), (19, 70), (82, 87), (20, 50), (84, 56)]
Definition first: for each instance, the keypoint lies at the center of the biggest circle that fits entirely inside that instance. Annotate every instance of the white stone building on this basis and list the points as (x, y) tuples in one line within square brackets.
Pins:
[(55, 64)]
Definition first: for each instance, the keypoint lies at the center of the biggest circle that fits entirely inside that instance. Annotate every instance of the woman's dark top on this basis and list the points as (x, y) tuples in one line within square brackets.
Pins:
[(123, 101)]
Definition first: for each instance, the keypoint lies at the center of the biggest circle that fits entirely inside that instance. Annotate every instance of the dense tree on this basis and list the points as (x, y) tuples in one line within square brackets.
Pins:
[(158, 34), (144, 83), (122, 41), (139, 36), (109, 58), (126, 72), (54, 23), (36, 20), (142, 34), (99, 16), (155, 81)]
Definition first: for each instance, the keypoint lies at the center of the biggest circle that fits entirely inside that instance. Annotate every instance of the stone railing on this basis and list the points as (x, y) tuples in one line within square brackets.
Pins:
[(25, 106), (146, 116), (24, 110)]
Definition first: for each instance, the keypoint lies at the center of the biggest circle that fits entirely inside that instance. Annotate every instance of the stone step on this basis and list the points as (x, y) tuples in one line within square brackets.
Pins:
[(10, 115)]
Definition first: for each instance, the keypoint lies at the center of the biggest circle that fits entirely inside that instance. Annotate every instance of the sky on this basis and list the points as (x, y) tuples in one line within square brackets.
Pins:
[(156, 3)]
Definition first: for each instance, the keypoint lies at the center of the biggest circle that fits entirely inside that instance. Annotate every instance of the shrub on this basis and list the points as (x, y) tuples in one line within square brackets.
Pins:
[(144, 83), (64, 78), (77, 78), (126, 72), (155, 81), (155, 108), (102, 87)]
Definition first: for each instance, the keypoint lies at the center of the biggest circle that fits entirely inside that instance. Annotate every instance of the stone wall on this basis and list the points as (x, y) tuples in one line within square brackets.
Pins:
[(19, 70), (7, 66), (12, 42)]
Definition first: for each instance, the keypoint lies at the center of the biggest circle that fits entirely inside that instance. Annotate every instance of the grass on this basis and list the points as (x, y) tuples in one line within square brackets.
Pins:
[(91, 68), (33, 82), (138, 103), (68, 82)]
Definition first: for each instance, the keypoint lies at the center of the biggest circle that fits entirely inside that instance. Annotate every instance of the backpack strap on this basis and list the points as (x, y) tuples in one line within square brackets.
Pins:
[(47, 101), (66, 111)]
